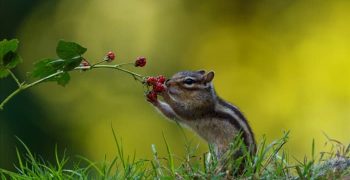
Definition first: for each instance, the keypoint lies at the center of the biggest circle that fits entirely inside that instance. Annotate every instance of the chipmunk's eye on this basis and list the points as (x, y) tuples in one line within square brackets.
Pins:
[(189, 81)]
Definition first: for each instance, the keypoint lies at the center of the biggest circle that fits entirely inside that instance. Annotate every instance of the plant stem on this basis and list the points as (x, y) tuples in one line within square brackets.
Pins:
[(42, 79), (14, 78), (9, 97), (135, 75), (22, 86), (122, 64), (103, 61)]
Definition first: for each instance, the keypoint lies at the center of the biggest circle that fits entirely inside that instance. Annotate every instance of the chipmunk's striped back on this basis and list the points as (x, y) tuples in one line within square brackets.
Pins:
[(237, 119)]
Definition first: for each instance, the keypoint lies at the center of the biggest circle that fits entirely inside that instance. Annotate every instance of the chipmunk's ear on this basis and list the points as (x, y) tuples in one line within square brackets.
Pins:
[(209, 77), (201, 71)]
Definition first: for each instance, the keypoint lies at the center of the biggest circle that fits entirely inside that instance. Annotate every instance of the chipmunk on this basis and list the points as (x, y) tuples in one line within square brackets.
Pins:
[(191, 100)]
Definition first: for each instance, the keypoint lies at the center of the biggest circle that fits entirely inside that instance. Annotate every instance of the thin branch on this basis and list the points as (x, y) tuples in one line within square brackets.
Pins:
[(123, 64), (26, 86), (129, 72), (103, 61), (139, 77), (22, 86), (15, 78), (9, 97), (42, 80)]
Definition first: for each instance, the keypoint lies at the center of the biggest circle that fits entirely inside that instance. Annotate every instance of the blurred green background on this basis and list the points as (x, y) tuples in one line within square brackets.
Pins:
[(284, 63)]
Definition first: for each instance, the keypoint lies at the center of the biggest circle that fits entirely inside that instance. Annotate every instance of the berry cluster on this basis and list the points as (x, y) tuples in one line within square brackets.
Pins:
[(156, 83), (158, 86)]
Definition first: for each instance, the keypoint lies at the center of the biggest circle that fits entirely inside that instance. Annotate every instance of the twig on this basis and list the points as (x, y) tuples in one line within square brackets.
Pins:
[(118, 66), (9, 97), (14, 78), (23, 86), (43, 79)]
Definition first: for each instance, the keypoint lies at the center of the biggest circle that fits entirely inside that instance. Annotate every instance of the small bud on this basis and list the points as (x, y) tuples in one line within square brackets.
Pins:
[(110, 56), (151, 96), (140, 61), (84, 62)]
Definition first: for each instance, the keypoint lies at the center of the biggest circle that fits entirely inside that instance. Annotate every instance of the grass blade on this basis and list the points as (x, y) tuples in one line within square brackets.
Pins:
[(170, 156)]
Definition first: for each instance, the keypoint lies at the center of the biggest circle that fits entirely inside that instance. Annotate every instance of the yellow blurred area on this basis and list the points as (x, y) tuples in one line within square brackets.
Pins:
[(284, 63)]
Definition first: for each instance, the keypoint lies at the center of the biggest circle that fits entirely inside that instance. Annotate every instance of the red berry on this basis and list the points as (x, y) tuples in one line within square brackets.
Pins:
[(140, 61), (151, 96), (158, 87), (161, 79), (110, 56), (151, 80)]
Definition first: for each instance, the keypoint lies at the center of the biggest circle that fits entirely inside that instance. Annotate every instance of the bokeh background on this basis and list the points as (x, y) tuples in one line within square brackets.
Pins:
[(284, 63)]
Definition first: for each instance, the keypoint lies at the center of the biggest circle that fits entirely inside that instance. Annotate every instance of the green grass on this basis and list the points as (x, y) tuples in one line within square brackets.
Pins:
[(270, 162)]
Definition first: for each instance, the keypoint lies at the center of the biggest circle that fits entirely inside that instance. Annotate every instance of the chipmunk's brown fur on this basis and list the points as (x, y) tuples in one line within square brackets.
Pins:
[(190, 99)]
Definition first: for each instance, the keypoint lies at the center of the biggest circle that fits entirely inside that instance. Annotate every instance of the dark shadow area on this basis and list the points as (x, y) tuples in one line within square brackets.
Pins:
[(23, 116)]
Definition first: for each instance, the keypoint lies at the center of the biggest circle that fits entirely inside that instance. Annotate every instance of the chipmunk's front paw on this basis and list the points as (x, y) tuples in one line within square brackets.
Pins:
[(164, 94)]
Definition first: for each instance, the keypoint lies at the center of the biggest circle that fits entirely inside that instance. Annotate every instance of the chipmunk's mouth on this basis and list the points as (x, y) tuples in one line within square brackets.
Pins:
[(172, 91)]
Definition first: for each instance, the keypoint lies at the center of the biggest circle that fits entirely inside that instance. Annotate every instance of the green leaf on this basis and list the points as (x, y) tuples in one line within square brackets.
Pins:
[(62, 79), (43, 68), (7, 46), (58, 63), (8, 56), (70, 56), (3, 73), (11, 60), (46, 67), (69, 50), (72, 63)]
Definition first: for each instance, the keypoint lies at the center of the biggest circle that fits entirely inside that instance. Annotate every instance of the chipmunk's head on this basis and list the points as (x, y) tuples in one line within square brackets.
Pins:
[(191, 87)]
